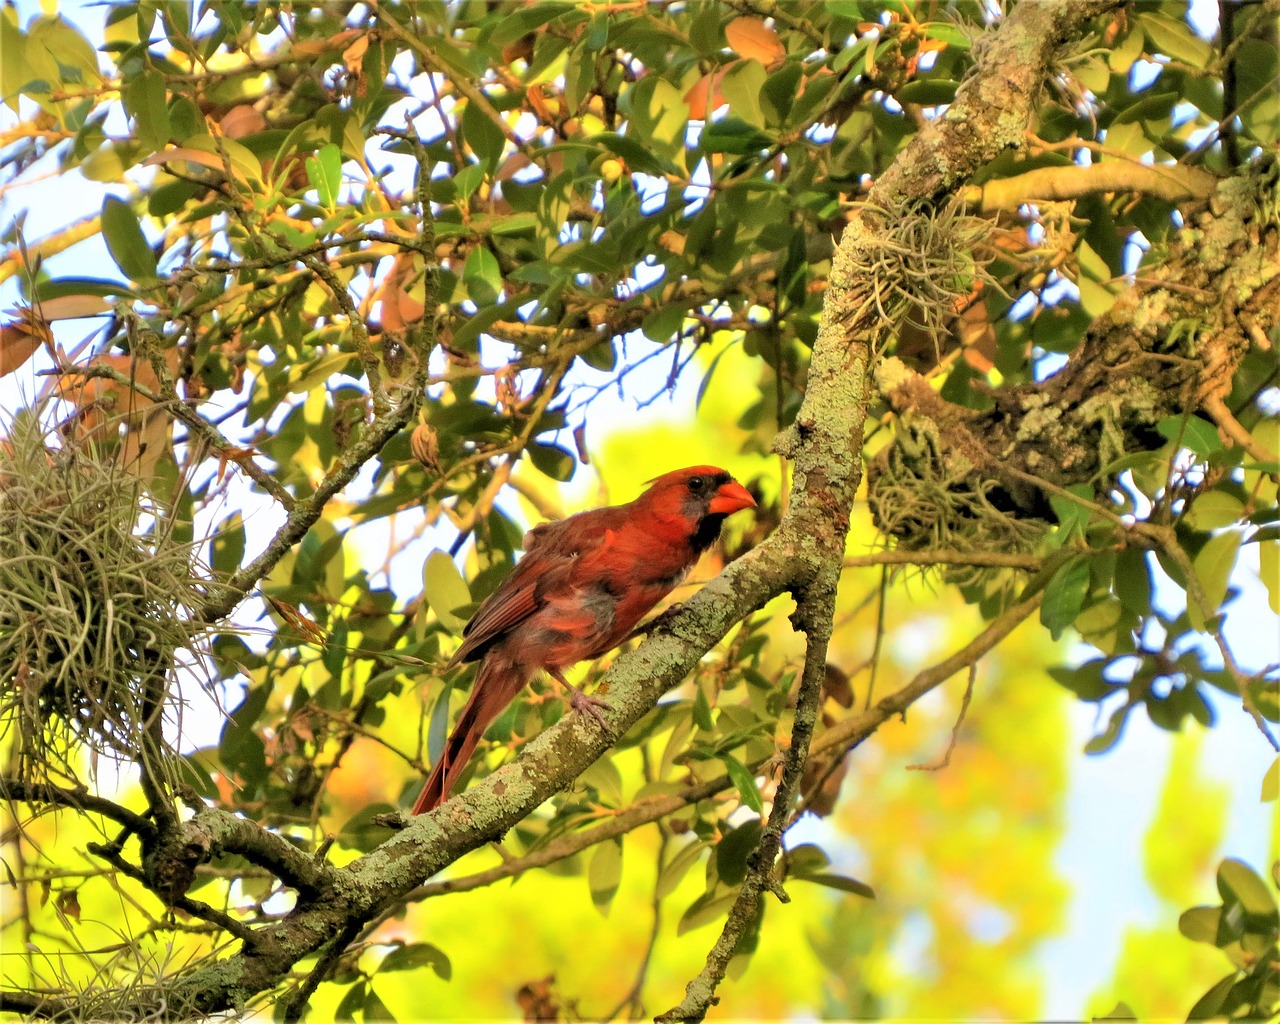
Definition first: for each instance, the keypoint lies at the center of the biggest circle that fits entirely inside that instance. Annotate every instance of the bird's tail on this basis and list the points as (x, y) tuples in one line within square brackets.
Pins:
[(496, 685)]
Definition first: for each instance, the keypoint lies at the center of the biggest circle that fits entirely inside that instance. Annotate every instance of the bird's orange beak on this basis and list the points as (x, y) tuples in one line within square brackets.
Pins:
[(730, 498)]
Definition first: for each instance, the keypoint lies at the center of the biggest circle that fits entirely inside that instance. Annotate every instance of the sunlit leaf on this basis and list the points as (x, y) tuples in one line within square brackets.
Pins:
[(445, 590), (604, 874)]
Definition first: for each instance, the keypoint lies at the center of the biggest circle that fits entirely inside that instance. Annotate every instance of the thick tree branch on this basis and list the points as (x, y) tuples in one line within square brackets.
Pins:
[(1173, 183)]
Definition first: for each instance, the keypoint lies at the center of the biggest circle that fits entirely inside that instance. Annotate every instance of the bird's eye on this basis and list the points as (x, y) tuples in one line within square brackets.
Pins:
[(696, 484)]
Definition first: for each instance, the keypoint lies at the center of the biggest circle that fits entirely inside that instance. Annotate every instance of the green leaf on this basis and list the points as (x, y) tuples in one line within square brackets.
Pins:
[(146, 98), (521, 22), (664, 323), (14, 70), (734, 850), (1213, 510), (1213, 567), (744, 782), (1269, 570), (953, 35), (677, 867), (60, 44), (553, 461), (467, 180), (352, 1001), (1096, 299), (1064, 596), (1132, 581), (417, 954), (666, 114), (1085, 681), (734, 135), (1073, 516), (445, 590), (56, 288), (228, 544), (486, 139), (126, 242), (1109, 736), (604, 874), (603, 776), (1236, 878), (1093, 74), (1121, 57), (482, 276), (1191, 432), (438, 727), (840, 882), (635, 155), (1209, 1004), (928, 92), (741, 87), (807, 859), (706, 908), (1271, 782), (324, 171), (375, 1008), (1175, 39), (702, 710), (1200, 924)]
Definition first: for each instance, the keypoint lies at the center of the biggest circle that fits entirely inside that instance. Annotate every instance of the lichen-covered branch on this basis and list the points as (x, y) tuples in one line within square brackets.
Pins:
[(1173, 183)]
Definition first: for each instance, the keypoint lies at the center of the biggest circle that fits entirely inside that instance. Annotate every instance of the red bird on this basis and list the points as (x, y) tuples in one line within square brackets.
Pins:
[(583, 585)]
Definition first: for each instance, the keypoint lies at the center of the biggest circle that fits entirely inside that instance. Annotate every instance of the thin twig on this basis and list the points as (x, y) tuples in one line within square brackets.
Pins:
[(945, 759)]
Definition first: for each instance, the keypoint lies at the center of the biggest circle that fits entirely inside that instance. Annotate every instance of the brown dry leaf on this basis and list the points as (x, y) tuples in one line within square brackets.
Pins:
[(821, 801), (425, 446), (519, 49), (299, 622), (69, 903), (508, 393), (835, 684), (241, 120), (353, 55), (315, 47), (145, 445), (73, 307), (237, 455), (704, 96), (672, 241), (580, 442), (751, 37), (20, 338), (978, 336), (98, 398), (537, 1001), (195, 156), (398, 309)]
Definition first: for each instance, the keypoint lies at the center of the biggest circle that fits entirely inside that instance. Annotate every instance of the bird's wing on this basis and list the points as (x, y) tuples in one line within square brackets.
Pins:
[(551, 550)]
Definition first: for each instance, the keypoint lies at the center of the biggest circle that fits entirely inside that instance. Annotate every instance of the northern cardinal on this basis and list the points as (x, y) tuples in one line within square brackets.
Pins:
[(583, 585)]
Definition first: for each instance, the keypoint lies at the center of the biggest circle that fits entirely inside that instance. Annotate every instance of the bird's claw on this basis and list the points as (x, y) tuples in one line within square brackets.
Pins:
[(588, 705)]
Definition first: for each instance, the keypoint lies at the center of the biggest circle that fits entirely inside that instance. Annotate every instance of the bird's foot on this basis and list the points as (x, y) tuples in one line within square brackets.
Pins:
[(587, 705), (581, 702)]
